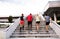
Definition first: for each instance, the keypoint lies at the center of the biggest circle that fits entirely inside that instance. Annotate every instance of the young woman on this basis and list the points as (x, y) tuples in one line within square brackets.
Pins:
[(37, 17), (21, 23), (47, 19)]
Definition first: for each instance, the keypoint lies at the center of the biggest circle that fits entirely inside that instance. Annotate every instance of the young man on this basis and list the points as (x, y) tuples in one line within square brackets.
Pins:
[(47, 19), (29, 19)]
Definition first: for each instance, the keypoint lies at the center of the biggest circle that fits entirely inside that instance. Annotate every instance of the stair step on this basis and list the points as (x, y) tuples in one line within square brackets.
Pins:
[(33, 26), (34, 35), (50, 32), (34, 30), (34, 38), (42, 30)]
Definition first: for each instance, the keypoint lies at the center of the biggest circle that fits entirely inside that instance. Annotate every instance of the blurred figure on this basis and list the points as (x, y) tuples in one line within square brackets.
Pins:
[(29, 19), (47, 20), (21, 22), (37, 17)]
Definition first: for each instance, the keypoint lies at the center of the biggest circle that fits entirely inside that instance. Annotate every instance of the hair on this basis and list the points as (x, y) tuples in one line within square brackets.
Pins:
[(46, 14), (37, 14), (30, 14), (22, 14)]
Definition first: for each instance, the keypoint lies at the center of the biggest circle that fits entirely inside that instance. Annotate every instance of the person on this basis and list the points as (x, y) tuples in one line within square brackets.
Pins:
[(29, 19), (37, 17), (21, 23), (47, 20)]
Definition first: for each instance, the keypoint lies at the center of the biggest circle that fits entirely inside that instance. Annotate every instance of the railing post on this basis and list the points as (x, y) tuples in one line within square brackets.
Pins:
[(55, 19)]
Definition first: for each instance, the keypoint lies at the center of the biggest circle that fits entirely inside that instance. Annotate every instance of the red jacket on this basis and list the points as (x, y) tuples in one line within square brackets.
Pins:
[(29, 17)]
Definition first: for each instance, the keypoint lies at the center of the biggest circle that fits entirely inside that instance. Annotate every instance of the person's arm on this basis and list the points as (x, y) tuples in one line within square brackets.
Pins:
[(26, 18), (20, 17), (32, 18), (45, 18), (35, 17), (40, 17), (50, 18)]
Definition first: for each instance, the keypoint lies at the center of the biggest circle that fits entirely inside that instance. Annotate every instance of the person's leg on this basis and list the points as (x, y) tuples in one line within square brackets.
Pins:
[(28, 25), (47, 24), (46, 27), (37, 26), (20, 29), (31, 25), (23, 27)]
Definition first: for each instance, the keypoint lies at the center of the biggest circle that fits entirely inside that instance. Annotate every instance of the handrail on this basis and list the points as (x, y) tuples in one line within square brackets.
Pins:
[(55, 27), (8, 28), (10, 25), (12, 28), (55, 23)]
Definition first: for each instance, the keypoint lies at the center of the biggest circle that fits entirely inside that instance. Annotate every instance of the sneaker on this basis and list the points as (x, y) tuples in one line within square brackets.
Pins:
[(28, 31), (47, 31)]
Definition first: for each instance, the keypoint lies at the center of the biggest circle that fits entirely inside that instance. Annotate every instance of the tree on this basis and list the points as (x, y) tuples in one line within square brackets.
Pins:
[(10, 19)]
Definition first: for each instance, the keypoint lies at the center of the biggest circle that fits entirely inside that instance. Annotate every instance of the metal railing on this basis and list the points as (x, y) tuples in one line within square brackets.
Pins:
[(12, 28), (55, 27), (55, 24)]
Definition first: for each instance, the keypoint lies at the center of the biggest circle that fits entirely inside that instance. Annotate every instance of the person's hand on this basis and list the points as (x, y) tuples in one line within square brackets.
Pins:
[(44, 20)]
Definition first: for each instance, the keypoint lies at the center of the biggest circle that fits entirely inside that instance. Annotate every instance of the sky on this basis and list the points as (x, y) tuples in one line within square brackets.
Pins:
[(17, 7)]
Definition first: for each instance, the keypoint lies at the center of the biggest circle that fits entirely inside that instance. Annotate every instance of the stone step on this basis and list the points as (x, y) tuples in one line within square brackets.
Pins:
[(34, 38), (42, 31), (34, 32), (35, 35), (32, 26), (35, 24), (34, 29)]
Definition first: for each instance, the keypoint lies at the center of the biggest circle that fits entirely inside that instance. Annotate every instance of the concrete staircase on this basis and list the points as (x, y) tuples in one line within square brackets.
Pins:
[(34, 34)]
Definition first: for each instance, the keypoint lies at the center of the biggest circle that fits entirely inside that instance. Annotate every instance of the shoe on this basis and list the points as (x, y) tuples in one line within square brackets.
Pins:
[(47, 31), (37, 31), (28, 31)]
